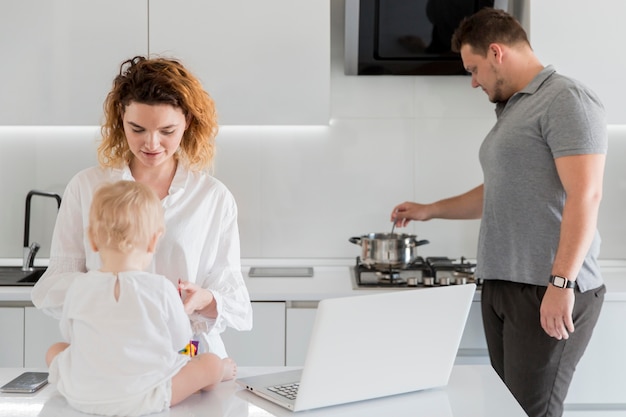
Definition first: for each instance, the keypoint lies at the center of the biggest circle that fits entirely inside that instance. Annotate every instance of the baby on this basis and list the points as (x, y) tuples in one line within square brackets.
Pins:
[(124, 327)]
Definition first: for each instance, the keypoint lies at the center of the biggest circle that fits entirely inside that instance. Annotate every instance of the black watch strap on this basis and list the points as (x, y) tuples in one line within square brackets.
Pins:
[(561, 282)]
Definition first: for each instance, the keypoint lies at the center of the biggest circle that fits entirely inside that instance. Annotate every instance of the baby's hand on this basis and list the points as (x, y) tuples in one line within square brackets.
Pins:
[(196, 298)]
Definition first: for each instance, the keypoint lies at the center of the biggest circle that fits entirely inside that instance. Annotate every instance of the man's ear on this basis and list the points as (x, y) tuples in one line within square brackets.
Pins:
[(496, 51)]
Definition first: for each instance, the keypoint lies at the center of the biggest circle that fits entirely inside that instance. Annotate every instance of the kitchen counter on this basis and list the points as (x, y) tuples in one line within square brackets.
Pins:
[(473, 391), (332, 278)]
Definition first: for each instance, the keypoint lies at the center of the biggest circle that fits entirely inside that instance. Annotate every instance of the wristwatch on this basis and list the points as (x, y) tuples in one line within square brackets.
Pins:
[(561, 282)]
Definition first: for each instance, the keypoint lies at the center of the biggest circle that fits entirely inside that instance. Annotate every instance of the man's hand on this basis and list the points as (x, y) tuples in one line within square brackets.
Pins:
[(556, 312)]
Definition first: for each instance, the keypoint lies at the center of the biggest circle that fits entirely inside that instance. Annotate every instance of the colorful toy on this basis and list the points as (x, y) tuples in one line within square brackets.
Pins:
[(191, 349)]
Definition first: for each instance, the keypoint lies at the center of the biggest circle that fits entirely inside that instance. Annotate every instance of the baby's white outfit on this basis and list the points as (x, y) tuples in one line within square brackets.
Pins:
[(123, 353)]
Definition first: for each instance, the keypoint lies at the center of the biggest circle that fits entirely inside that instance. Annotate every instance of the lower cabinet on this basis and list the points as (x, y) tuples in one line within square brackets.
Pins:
[(26, 335), (12, 333), (280, 334), (473, 346), (282, 330), (598, 385), (40, 331), (600, 376), (264, 345), (300, 319)]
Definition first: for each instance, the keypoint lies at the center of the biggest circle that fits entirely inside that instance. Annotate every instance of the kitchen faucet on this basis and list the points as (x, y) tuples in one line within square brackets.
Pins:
[(30, 251)]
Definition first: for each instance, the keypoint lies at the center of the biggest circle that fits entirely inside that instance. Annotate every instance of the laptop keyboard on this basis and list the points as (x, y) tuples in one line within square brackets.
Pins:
[(289, 391)]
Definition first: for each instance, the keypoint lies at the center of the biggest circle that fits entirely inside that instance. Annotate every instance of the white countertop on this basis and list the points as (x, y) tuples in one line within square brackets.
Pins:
[(331, 278), (473, 391)]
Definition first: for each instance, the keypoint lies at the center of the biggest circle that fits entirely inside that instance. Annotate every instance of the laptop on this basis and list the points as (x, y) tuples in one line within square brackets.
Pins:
[(373, 345)]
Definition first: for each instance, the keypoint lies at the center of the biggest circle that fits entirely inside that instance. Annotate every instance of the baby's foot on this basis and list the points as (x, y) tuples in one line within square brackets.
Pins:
[(230, 369)]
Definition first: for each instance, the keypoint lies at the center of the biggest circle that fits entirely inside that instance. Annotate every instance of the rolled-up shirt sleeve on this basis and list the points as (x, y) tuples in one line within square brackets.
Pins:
[(226, 282)]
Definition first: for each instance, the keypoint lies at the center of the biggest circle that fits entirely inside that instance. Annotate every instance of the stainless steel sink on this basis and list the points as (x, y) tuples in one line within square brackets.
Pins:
[(14, 276)]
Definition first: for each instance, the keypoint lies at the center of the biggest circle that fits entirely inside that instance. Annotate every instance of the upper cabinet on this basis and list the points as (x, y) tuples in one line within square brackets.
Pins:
[(263, 62), (59, 57), (583, 40)]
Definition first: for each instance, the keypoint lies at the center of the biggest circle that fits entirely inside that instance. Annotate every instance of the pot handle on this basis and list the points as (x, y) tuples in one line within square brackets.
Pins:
[(355, 240), (419, 242)]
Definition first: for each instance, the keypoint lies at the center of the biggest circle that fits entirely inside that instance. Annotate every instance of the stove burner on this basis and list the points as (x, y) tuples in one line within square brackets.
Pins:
[(429, 272)]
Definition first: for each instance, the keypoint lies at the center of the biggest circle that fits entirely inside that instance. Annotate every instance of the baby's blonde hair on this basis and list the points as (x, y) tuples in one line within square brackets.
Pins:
[(125, 215)]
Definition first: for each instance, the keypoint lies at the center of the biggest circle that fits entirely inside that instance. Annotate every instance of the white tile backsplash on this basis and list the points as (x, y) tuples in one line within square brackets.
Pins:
[(42, 158), (320, 191)]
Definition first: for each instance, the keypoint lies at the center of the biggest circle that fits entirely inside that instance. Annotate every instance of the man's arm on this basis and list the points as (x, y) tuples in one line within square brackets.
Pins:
[(582, 177), (465, 206)]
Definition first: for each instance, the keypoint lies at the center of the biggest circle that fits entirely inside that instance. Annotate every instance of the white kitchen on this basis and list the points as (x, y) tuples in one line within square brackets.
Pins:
[(313, 156)]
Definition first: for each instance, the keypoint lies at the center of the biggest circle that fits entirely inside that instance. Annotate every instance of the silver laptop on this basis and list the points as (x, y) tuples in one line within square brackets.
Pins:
[(373, 345)]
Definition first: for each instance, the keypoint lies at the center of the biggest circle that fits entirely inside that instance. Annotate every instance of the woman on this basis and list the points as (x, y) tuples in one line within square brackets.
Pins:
[(159, 130)]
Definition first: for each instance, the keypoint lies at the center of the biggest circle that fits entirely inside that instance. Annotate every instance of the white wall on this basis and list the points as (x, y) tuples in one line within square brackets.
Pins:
[(303, 191), (585, 44)]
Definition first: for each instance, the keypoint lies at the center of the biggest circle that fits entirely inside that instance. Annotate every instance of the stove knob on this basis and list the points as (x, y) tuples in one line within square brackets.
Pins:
[(429, 281), (460, 280), (444, 281)]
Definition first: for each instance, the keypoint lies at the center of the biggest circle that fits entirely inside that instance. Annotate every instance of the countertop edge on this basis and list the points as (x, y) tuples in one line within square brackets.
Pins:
[(331, 279)]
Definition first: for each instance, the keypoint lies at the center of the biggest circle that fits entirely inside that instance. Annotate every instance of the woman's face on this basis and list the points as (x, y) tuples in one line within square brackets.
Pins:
[(153, 132)]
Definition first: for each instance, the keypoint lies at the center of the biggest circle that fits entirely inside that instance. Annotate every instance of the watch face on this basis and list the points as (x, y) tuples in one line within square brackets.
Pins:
[(559, 281)]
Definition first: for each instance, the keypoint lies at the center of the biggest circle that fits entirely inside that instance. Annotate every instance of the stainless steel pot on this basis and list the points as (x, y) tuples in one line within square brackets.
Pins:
[(388, 250)]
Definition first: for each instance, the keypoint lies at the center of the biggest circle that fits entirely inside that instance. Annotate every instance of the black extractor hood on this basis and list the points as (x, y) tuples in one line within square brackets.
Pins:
[(406, 37)]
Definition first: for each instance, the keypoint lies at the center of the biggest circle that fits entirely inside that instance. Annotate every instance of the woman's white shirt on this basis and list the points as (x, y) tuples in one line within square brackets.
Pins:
[(200, 244)]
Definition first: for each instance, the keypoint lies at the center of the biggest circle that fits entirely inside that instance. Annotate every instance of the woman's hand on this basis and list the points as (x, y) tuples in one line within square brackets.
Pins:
[(198, 300)]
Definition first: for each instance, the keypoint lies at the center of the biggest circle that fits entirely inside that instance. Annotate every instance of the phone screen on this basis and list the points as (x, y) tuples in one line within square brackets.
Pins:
[(26, 383)]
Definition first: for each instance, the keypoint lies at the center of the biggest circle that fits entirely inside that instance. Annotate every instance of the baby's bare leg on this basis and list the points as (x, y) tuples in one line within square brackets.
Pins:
[(54, 350), (202, 372)]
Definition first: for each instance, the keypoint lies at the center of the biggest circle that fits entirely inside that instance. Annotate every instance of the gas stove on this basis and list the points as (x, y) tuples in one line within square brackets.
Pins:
[(434, 271)]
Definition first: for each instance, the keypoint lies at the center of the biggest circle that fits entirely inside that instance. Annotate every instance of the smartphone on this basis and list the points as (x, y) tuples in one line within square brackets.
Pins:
[(26, 383)]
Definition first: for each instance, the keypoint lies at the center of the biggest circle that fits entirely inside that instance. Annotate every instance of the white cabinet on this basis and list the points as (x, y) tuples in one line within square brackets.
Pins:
[(280, 334), (40, 331), (584, 40), (59, 57), (264, 62), (12, 334), (26, 335), (300, 320), (600, 376), (264, 345), (473, 346)]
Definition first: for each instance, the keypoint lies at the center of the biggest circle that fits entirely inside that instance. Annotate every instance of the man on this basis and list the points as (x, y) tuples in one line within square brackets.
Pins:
[(543, 165)]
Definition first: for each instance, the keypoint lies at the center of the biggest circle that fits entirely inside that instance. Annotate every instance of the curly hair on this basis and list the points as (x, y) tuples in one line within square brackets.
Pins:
[(159, 81), (485, 27)]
